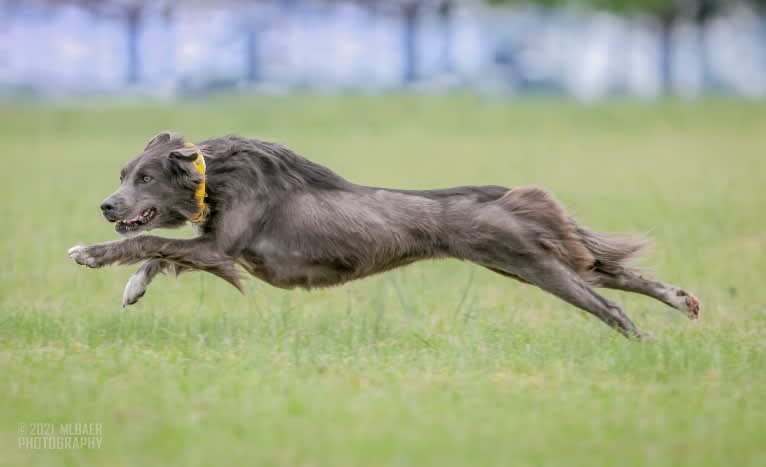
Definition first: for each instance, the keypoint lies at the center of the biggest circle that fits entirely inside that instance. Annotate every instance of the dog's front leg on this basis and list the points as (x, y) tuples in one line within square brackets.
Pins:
[(133, 250), (196, 253), (140, 280)]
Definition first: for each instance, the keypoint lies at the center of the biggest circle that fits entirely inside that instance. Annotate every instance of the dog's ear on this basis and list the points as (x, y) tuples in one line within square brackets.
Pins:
[(184, 154), (160, 138)]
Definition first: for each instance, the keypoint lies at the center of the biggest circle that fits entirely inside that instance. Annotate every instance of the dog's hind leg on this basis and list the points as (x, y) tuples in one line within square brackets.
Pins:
[(541, 269), (559, 280), (539, 244), (671, 295)]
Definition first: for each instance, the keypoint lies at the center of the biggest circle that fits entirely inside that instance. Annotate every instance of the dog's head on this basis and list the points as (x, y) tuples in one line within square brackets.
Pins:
[(157, 187)]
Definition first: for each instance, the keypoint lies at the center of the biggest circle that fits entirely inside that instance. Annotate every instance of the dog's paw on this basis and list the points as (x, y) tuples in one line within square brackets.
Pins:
[(134, 289), (688, 303), (644, 336), (81, 255)]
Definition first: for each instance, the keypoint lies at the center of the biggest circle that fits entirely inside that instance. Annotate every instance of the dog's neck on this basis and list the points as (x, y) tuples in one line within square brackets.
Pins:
[(201, 193)]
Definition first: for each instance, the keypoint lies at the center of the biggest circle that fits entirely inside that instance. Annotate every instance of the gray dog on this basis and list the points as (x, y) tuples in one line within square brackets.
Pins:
[(291, 222)]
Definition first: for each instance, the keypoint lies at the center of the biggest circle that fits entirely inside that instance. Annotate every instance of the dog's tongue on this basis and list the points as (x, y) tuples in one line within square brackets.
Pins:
[(132, 220), (137, 218)]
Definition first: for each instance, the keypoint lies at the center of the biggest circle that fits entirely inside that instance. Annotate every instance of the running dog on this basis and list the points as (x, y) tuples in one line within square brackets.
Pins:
[(294, 223)]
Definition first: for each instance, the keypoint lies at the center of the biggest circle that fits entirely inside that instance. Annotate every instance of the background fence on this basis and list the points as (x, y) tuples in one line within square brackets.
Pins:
[(170, 48)]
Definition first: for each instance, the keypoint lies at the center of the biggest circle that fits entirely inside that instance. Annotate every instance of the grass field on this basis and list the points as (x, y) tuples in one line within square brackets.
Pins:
[(441, 363)]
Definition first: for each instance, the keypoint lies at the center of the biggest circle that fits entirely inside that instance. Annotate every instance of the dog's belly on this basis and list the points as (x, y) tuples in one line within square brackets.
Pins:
[(291, 273)]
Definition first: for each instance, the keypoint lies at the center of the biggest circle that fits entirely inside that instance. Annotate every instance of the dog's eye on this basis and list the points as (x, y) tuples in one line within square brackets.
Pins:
[(146, 179)]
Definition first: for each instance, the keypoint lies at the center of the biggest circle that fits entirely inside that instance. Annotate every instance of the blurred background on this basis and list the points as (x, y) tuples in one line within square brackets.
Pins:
[(640, 115), (588, 49)]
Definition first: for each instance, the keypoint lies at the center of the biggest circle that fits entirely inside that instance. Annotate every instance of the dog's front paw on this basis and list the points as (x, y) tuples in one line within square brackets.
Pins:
[(134, 289), (83, 255)]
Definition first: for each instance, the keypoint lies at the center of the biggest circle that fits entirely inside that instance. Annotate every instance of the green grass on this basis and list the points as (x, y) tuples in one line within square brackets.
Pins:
[(441, 363)]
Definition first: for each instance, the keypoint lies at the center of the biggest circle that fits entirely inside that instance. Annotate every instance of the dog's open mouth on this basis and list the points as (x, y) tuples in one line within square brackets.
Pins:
[(135, 223)]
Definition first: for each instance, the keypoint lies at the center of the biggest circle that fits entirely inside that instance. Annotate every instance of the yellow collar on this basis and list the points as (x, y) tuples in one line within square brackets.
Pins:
[(200, 194)]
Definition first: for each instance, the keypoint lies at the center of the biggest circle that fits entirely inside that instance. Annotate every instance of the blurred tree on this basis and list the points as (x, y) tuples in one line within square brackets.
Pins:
[(133, 16), (531, 2), (667, 13), (410, 12), (131, 12), (254, 24), (409, 40), (446, 9)]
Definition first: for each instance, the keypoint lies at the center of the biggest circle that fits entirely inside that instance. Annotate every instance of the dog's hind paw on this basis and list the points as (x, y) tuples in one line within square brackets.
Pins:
[(79, 253), (644, 335), (688, 303), (134, 289)]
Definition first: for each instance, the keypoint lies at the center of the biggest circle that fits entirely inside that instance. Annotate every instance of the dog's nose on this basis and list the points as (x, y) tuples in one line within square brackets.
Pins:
[(107, 207)]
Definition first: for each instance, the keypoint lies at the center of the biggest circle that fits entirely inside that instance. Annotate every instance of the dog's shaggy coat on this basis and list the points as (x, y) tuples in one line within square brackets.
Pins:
[(294, 223)]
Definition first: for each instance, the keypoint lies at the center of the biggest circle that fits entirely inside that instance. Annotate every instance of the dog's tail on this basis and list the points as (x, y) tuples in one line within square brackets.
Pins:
[(613, 252), (585, 251)]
